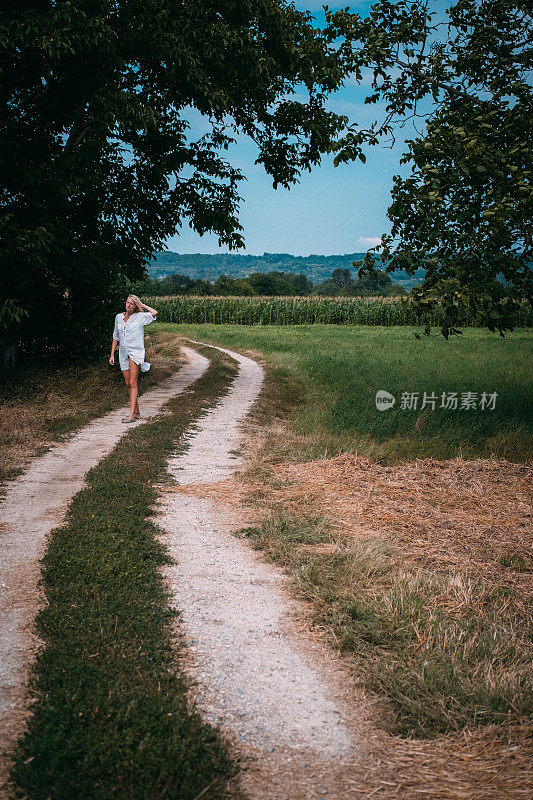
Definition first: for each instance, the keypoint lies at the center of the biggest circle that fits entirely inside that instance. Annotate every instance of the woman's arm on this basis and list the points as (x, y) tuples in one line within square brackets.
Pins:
[(113, 348), (152, 311)]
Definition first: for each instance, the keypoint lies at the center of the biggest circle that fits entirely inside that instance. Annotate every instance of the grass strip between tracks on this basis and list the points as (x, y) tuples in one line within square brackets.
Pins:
[(111, 718)]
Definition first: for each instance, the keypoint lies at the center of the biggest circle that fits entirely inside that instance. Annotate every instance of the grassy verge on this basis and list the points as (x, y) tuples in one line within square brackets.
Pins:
[(338, 370), (111, 719), (39, 407)]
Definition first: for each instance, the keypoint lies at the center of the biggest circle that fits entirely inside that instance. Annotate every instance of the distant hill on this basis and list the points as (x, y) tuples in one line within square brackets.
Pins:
[(209, 267)]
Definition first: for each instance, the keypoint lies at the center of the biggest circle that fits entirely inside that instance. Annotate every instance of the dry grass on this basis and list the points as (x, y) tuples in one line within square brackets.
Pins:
[(489, 764), (474, 517), (38, 410)]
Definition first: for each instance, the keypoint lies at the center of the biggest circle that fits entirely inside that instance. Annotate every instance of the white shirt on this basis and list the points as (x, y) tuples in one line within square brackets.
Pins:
[(130, 335)]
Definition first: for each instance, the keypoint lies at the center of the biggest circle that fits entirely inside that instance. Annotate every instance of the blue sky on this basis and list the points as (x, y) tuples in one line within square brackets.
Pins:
[(331, 210)]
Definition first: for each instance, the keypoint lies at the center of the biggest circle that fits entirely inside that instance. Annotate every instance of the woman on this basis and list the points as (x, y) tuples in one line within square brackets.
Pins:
[(129, 335)]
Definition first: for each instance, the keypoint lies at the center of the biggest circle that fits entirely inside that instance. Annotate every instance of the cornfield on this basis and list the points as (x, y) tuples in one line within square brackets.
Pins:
[(303, 311)]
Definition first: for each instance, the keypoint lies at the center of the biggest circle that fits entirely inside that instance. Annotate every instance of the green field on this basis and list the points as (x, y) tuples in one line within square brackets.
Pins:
[(333, 373)]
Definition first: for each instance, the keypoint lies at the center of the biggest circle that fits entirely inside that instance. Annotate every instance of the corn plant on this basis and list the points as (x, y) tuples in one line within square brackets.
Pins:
[(229, 310)]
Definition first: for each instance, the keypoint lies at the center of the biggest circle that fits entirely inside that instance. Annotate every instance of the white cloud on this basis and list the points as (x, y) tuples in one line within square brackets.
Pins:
[(366, 242)]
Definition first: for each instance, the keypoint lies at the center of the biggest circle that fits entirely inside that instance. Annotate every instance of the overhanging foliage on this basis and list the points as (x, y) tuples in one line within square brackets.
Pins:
[(98, 162), (464, 214)]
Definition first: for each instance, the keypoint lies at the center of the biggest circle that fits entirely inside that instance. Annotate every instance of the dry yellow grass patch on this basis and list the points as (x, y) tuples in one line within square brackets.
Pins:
[(471, 516)]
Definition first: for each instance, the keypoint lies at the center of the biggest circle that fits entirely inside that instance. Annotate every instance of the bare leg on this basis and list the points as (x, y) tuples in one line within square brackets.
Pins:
[(127, 379), (126, 374), (133, 388)]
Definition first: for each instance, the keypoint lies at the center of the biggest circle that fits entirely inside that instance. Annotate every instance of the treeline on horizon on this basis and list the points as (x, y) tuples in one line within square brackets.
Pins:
[(239, 265), (274, 283), (317, 268)]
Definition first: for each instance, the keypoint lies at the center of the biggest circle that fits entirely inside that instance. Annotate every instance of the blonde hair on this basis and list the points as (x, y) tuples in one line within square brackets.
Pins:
[(138, 306)]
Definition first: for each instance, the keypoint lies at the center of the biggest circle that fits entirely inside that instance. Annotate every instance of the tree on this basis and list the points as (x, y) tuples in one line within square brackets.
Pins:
[(98, 162), (226, 285), (379, 283), (299, 281), (326, 288), (464, 214), (342, 284), (342, 279), (271, 284)]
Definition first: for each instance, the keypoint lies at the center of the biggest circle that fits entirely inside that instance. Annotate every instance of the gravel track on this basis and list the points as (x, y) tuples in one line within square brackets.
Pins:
[(253, 674), (33, 505)]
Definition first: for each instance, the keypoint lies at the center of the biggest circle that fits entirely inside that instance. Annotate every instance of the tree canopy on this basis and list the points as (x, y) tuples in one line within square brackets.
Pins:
[(98, 161), (464, 213), (100, 164)]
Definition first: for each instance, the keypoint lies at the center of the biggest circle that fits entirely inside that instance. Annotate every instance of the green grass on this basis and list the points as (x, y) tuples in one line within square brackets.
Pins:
[(334, 373), (111, 719)]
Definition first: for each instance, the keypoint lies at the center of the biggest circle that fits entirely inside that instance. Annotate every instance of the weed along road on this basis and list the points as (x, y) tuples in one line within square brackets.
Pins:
[(33, 505)]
